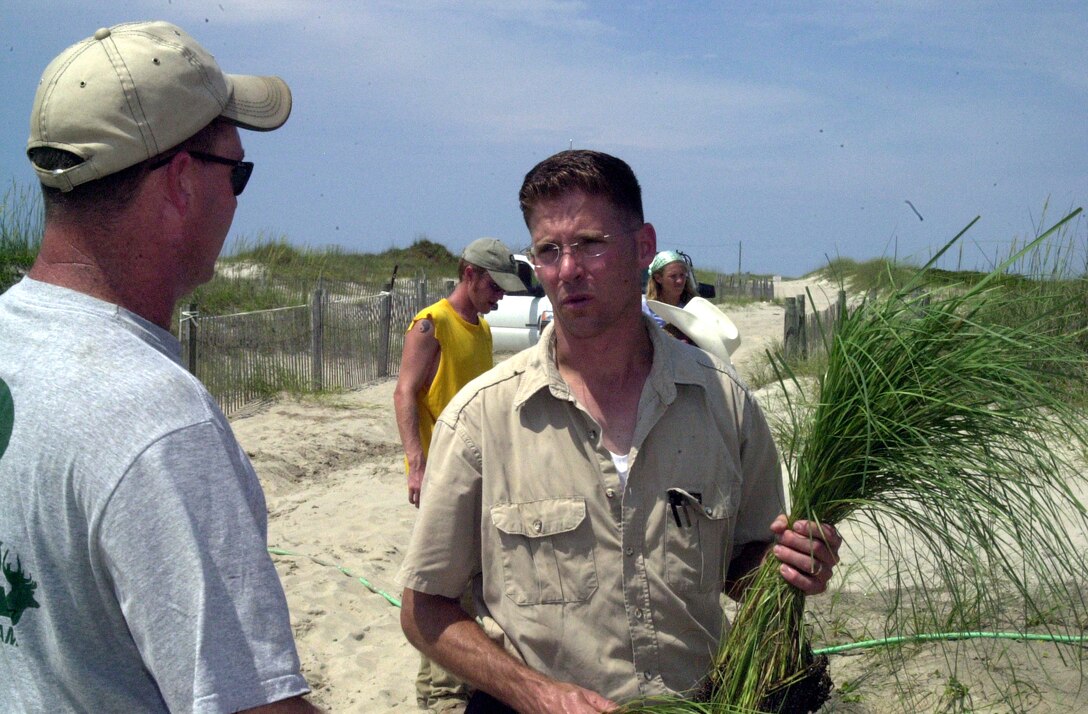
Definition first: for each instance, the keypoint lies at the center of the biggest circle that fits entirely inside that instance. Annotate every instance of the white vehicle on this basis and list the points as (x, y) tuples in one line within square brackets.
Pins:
[(520, 317)]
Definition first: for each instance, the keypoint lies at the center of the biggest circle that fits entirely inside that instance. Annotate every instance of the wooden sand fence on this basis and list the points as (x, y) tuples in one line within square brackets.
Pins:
[(341, 338), (744, 286), (803, 334)]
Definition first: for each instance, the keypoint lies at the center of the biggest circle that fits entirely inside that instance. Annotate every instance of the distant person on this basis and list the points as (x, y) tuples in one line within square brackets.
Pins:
[(672, 282), (601, 490), (671, 279), (132, 524), (447, 345)]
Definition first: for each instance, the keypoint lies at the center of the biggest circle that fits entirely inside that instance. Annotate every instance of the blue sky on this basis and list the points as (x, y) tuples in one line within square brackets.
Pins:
[(776, 133)]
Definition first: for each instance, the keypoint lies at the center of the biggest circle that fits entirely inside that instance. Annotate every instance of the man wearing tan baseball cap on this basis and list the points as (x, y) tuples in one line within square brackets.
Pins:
[(130, 518)]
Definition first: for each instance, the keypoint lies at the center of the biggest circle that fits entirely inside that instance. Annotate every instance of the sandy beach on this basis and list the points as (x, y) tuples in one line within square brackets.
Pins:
[(339, 523)]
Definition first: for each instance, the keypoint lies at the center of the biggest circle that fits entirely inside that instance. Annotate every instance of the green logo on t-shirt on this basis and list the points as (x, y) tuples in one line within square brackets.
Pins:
[(7, 417), (18, 598), (18, 595)]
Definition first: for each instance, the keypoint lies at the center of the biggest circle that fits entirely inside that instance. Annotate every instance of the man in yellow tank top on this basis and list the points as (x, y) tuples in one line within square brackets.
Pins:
[(446, 346)]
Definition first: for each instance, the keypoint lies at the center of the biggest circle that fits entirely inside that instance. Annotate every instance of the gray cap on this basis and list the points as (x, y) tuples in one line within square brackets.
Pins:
[(133, 91), (494, 257)]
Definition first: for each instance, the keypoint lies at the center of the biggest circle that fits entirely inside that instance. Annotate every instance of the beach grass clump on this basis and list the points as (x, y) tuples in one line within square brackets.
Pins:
[(940, 418), (868, 276), (21, 224), (288, 261)]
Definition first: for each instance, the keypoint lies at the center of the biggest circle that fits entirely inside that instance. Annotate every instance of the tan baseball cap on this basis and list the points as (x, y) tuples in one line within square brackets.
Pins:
[(494, 257), (135, 90)]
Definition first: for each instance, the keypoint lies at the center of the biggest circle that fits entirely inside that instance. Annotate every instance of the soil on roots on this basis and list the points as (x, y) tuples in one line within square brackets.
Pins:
[(802, 695)]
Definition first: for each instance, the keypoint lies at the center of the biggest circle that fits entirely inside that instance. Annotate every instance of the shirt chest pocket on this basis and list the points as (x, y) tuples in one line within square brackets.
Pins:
[(547, 550), (698, 529)]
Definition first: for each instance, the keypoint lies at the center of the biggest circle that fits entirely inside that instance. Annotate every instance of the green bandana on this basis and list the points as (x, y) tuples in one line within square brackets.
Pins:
[(664, 258)]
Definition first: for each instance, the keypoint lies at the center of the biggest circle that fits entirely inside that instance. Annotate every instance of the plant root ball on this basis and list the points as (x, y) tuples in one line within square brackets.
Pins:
[(802, 695)]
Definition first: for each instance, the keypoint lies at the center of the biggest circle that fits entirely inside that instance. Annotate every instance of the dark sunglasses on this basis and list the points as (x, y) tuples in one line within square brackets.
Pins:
[(240, 171)]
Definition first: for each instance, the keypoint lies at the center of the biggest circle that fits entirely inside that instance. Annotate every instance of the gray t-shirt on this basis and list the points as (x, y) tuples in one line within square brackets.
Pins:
[(132, 527)]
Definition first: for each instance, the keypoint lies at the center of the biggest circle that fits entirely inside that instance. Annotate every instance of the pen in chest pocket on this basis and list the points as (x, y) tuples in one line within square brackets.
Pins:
[(678, 503)]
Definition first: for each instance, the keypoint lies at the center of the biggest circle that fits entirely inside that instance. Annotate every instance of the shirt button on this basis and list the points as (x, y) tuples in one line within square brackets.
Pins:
[(611, 493), (629, 550), (538, 526), (638, 614), (648, 676)]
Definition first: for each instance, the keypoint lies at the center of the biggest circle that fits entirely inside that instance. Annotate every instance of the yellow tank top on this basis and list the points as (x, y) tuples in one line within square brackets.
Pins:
[(465, 354)]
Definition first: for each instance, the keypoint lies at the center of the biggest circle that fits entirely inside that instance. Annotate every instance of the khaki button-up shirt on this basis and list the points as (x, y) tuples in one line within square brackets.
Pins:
[(614, 589)]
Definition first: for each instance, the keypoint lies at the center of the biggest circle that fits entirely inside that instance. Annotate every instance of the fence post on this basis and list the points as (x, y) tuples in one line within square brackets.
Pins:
[(317, 334), (789, 335), (188, 319), (421, 292), (802, 325), (385, 337)]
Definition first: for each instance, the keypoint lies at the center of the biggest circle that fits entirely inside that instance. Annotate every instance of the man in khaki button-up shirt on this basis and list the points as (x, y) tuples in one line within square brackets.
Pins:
[(602, 488)]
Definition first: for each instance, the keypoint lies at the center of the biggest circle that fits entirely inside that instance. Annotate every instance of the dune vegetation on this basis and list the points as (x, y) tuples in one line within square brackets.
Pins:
[(21, 222)]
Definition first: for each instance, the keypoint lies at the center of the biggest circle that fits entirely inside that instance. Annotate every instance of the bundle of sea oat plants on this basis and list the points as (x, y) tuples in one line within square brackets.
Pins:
[(937, 415)]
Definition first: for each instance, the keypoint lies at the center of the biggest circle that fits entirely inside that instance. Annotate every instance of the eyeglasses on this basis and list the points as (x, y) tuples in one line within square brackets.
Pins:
[(547, 254), (240, 171)]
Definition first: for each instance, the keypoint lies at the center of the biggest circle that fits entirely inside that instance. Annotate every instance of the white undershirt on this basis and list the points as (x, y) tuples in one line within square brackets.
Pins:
[(620, 460)]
